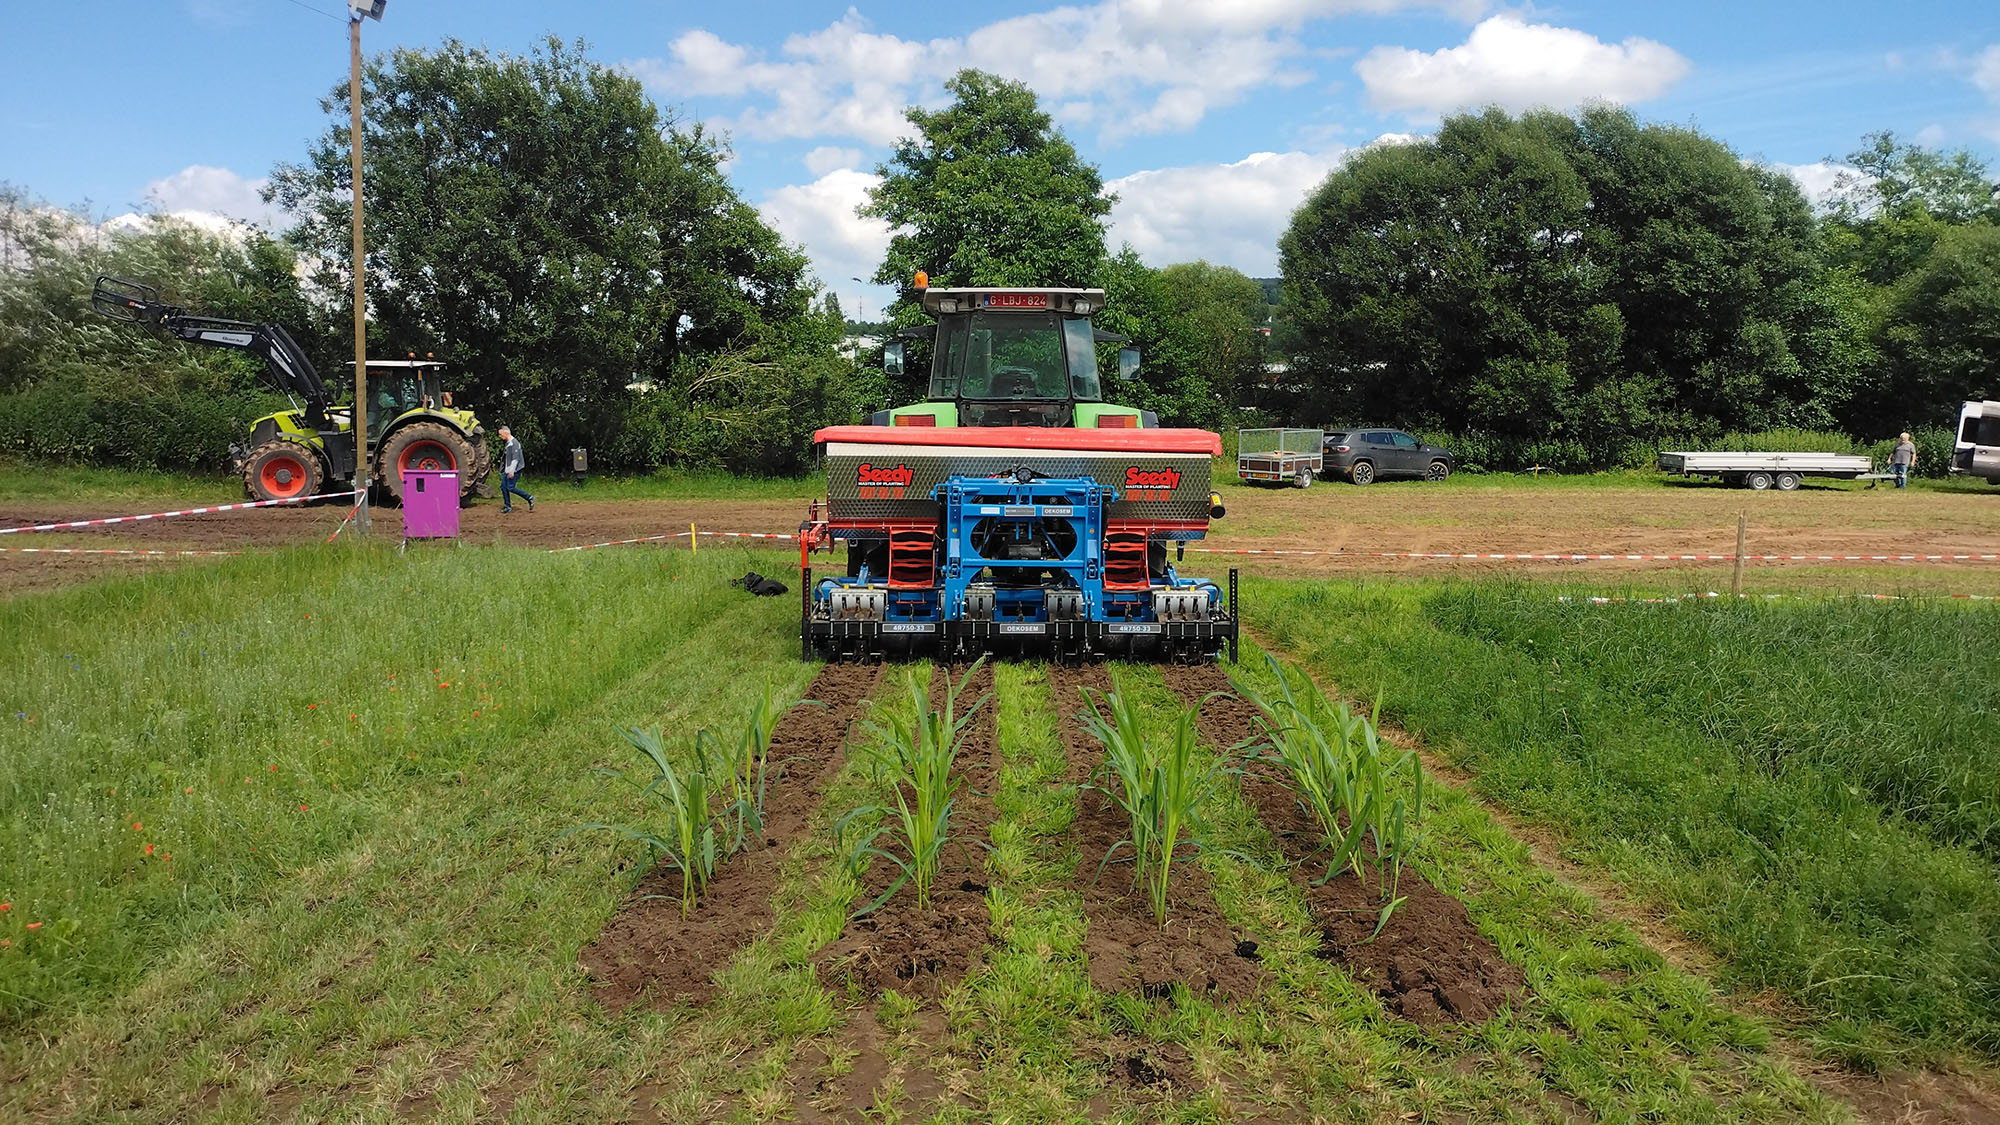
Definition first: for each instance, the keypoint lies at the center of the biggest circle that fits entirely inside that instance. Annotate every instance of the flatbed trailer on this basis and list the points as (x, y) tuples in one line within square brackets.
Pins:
[(1280, 456), (1761, 471)]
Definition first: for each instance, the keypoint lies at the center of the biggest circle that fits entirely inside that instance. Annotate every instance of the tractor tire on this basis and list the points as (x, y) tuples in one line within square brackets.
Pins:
[(1363, 472), (482, 466), (281, 470), (424, 445)]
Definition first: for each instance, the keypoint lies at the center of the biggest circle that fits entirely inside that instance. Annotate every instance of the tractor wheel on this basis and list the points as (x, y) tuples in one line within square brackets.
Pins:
[(423, 445), (281, 470), (1363, 472)]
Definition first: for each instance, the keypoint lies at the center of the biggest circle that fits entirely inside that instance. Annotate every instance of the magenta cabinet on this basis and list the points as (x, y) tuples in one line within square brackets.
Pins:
[(430, 503)]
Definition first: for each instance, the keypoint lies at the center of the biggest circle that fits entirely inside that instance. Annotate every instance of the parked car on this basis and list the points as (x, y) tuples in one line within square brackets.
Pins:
[(1364, 455)]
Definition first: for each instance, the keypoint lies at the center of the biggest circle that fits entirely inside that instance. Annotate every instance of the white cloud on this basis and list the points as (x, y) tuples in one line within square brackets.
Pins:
[(827, 158), (1124, 66), (218, 193), (1824, 182), (1518, 65), (820, 216), (1986, 71), (1226, 214)]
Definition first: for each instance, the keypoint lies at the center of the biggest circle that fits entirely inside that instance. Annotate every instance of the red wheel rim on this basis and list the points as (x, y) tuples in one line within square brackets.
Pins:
[(427, 455), (282, 476)]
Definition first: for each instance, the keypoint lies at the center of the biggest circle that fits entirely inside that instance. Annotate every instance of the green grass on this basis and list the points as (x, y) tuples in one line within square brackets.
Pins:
[(405, 945), (123, 489), (1729, 762), (675, 484)]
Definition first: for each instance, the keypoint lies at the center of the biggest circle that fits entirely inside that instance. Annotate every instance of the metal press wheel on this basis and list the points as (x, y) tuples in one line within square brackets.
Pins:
[(1788, 482), (1304, 479), (1757, 482), (1437, 471), (1363, 472)]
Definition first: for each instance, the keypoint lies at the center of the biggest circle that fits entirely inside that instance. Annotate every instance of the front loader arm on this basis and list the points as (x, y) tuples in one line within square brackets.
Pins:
[(286, 362)]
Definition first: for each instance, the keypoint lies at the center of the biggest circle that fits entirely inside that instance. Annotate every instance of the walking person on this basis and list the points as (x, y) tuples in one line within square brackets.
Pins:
[(1900, 460), (511, 464)]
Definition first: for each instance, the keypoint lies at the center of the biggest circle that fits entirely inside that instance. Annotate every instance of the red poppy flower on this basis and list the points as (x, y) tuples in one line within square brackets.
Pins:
[(149, 849), (137, 827), (34, 925)]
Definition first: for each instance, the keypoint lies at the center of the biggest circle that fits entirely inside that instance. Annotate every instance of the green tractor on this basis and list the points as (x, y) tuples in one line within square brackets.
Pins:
[(294, 453)]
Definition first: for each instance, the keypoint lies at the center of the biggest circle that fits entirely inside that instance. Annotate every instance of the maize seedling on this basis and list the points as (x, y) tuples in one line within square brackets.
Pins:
[(1161, 794)]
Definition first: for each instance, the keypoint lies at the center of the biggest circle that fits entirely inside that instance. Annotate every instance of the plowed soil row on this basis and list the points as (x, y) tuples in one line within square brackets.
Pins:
[(923, 951), (1429, 964), (649, 951), (1127, 950)]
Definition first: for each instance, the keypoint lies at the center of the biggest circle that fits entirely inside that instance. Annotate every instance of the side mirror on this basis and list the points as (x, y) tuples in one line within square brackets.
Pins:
[(1128, 364), (892, 358)]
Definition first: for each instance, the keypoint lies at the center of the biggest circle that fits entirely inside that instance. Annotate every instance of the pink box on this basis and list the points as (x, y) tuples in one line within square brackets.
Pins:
[(430, 503)]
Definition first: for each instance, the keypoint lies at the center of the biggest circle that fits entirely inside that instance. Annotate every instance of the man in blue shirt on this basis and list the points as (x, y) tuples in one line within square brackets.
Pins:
[(511, 464)]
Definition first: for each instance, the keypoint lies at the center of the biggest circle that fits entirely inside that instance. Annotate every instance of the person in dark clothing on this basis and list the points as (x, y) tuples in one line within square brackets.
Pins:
[(511, 464)]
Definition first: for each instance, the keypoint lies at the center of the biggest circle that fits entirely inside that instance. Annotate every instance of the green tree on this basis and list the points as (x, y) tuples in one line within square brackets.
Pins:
[(537, 222), (989, 192), (1941, 337), (1569, 285), (1198, 326)]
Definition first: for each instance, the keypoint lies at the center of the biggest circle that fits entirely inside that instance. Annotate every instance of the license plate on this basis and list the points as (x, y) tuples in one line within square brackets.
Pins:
[(1037, 628), (909, 627), (1135, 627), (1017, 300)]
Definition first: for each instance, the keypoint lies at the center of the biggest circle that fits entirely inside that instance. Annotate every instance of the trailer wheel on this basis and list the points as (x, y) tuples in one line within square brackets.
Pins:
[(1788, 482), (1757, 482), (1304, 479), (1362, 473)]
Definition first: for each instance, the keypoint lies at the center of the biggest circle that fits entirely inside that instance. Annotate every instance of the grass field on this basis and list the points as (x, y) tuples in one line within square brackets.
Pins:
[(289, 830)]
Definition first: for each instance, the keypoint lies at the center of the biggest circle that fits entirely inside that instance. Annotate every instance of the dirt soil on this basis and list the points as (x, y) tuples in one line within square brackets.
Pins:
[(923, 951), (1347, 528), (648, 951), (1429, 964), (1126, 949)]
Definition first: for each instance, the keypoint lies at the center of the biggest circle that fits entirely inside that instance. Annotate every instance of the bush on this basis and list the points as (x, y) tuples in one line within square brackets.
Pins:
[(170, 428), (1934, 445)]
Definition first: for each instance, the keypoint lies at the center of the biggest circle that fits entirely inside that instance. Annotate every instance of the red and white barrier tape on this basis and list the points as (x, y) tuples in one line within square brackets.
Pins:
[(1579, 557), (677, 535), (342, 525), (1671, 599), (183, 512), (104, 551)]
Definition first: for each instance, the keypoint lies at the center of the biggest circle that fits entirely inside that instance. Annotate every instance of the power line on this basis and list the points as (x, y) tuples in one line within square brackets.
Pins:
[(311, 8)]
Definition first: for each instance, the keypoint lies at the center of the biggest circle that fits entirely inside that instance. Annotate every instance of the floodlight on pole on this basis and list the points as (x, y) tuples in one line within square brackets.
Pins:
[(372, 9)]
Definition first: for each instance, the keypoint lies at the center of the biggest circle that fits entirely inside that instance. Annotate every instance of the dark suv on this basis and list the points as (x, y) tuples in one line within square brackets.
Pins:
[(1363, 455)]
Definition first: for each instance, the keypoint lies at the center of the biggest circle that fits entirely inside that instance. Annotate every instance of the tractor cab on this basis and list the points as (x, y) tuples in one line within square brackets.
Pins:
[(1014, 357), (398, 386)]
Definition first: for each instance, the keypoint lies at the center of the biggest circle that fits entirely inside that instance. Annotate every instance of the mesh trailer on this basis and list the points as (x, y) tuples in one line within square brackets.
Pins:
[(1280, 456)]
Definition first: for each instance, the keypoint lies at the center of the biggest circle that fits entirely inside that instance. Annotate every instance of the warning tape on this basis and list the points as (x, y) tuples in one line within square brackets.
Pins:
[(104, 551), (677, 535), (183, 512), (1670, 599), (1581, 557), (351, 512)]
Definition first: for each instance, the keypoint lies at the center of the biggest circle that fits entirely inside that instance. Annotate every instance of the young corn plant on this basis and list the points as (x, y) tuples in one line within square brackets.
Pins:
[(917, 755), (688, 836), (1341, 772), (749, 766), (1161, 790)]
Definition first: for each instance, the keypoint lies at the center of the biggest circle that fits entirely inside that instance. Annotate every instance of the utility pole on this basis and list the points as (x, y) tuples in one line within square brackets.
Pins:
[(356, 11)]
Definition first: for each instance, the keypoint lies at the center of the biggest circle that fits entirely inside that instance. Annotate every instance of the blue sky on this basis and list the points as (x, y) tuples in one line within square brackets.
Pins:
[(1211, 119)]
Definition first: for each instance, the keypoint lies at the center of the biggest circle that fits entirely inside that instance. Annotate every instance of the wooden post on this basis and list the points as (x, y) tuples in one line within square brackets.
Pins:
[(361, 481), (1736, 579)]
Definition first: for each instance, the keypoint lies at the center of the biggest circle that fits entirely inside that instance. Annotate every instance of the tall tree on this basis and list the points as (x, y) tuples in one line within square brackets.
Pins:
[(989, 192), (537, 222), (1199, 328), (1573, 284)]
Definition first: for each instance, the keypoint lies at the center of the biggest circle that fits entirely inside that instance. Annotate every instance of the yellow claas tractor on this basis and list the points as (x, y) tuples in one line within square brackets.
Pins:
[(300, 452)]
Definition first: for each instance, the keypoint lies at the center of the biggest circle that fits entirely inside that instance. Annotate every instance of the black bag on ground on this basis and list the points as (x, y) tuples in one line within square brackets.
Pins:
[(761, 586)]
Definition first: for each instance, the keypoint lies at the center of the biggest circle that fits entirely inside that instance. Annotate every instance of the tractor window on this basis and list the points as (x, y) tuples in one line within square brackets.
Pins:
[(1082, 359), (1013, 356), (948, 358)]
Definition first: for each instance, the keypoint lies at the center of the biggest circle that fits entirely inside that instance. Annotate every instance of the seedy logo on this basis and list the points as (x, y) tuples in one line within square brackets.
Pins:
[(1151, 485), (883, 482), (1136, 477), (900, 475)]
